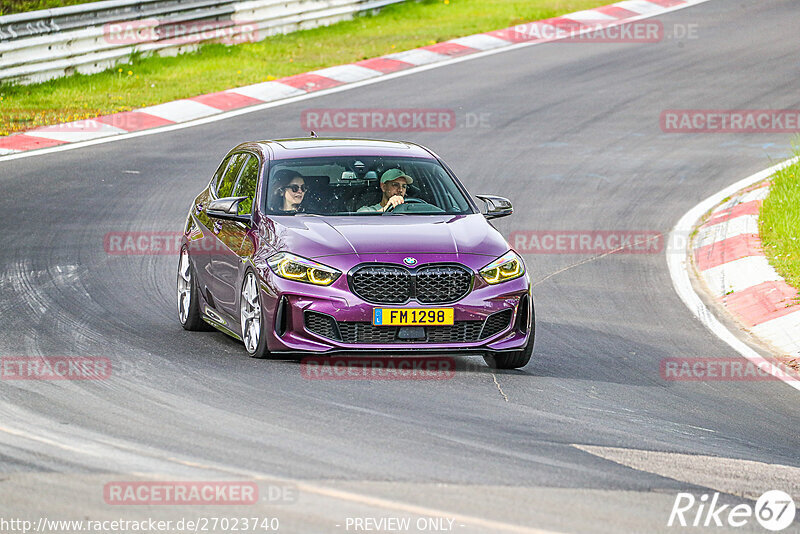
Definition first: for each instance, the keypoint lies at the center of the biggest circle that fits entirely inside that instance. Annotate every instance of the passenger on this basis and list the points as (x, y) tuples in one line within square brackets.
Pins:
[(394, 184), (290, 190)]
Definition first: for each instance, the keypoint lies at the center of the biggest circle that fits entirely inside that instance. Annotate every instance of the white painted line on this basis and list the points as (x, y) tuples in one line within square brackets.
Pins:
[(181, 110), (417, 56), (347, 73), (6, 151), (739, 274), (679, 266), (303, 96), (268, 91), (744, 224), (480, 41), (783, 332)]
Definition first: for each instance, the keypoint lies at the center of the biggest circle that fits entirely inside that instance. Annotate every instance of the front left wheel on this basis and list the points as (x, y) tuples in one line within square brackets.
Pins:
[(188, 302), (252, 317)]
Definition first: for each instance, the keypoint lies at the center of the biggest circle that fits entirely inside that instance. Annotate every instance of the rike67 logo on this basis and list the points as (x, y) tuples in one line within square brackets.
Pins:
[(774, 510)]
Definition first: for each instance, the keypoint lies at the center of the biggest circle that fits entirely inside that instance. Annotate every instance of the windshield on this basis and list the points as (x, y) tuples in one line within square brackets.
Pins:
[(362, 186)]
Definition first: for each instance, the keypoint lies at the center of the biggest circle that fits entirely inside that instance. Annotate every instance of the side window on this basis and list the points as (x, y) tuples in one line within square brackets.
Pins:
[(225, 188), (218, 174), (246, 186)]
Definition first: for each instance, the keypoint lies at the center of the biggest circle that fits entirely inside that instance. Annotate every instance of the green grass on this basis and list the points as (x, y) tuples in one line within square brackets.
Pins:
[(779, 222), (215, 67), (8, 7)]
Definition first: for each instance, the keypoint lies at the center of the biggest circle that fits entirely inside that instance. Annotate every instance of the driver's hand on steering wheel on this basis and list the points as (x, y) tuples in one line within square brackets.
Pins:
[(393, 202)]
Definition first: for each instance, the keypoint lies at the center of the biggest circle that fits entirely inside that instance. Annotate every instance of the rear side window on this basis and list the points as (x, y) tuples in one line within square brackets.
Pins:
[(229, 179), (246, 186)]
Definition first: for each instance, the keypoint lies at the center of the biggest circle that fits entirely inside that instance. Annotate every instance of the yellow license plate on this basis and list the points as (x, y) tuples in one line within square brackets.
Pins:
[(412, 316)]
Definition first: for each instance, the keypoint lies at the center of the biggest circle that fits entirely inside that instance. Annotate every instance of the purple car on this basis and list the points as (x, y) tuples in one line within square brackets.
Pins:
[(302, 246)]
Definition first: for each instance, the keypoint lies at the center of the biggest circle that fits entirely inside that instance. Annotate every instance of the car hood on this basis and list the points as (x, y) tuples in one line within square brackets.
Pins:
[(315, 237)]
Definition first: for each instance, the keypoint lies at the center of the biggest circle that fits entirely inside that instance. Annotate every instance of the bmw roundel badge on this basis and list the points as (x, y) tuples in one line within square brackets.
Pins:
[(410, 261)]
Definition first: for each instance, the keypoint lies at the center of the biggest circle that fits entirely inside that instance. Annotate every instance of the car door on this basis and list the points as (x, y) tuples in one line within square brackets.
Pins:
[(235, 244), (220, 279), (203, 242)]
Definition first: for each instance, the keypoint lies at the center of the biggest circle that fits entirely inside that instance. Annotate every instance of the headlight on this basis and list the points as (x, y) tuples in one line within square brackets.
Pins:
[(300, 269), (506, 267)]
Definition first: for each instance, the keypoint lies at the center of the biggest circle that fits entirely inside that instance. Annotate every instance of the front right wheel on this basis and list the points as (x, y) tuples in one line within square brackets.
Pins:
[(510, 360)]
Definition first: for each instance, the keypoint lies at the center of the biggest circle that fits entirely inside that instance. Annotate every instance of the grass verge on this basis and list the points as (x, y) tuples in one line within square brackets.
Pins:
[(215, 67), (779, 222)]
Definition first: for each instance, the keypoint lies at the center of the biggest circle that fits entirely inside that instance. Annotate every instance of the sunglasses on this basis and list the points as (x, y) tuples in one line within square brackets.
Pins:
[(295, 188)]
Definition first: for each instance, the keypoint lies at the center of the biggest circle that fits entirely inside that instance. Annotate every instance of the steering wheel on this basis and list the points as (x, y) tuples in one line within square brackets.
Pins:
[(406, 201)]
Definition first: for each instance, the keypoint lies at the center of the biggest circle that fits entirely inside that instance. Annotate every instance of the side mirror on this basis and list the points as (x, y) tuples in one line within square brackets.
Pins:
[(227, 208), (496, 206)]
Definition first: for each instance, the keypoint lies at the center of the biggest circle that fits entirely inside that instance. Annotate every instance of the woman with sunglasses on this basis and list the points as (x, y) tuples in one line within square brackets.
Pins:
[(290, 190)]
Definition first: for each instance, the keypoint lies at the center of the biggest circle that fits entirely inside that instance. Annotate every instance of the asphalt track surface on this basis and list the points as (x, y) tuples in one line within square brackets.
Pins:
[(574, 141)]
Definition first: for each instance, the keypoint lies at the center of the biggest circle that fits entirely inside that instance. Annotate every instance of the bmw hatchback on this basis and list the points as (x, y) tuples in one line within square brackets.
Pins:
[(301, 246)]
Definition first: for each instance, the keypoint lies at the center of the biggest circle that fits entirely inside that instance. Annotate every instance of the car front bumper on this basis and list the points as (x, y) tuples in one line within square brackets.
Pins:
[(314, 319)]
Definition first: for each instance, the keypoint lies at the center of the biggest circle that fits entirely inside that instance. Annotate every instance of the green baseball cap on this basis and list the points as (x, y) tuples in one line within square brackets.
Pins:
[(394, 174)]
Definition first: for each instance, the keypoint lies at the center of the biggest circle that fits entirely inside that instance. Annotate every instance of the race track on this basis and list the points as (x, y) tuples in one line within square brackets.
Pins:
[(572, 136)]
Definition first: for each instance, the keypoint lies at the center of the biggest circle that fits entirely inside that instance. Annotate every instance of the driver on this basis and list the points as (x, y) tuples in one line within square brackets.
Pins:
[(394, 184)]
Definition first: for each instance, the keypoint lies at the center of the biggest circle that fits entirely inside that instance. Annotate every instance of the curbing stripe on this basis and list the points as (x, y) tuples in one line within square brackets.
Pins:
[(133, 121), (384, 65), (347, 73), (737, 272), (418, 56), (727, 250), (450, 48), (738, 275), (267, 91), (708, 235), (783, 331), (309, 82), (226, 100), (592, 16), (642, 7), (480, 41), (181, 110), (26, 141), (616, 12), (763, 302), (744, 208)]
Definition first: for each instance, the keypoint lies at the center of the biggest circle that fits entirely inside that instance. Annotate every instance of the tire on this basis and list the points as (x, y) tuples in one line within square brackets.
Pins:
[(513, 359), (251, 315), (189, 313)]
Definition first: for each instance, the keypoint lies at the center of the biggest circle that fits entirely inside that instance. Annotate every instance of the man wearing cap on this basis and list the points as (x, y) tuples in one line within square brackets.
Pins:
[(394, 184)]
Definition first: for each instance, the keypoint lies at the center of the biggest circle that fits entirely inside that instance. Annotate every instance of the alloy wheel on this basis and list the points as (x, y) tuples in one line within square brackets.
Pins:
[(250, 313), (184, 286)]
